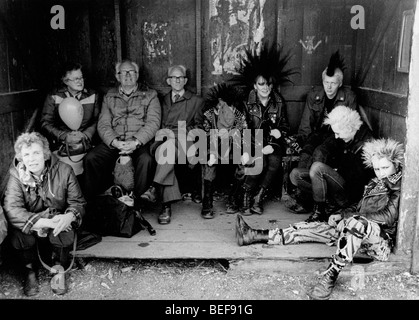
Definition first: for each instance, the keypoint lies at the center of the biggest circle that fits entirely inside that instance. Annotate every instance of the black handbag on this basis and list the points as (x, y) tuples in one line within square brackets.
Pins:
[(74, 149), (108, 216)]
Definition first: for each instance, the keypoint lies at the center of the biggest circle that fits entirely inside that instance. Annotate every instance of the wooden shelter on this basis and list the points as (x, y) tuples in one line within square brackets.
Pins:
[(378, 38)]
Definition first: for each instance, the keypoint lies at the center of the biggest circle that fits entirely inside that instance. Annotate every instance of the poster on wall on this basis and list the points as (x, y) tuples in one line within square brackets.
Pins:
[(235, 25)]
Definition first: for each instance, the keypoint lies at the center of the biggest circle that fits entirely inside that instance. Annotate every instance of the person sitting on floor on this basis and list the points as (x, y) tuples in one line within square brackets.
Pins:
[(223, 117), (44, 206), (340, 185), (178, 105), (369, 226)]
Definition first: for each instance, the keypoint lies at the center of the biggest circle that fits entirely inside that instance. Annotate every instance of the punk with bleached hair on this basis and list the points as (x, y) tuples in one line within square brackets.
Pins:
[(383, 148), (344, 118)]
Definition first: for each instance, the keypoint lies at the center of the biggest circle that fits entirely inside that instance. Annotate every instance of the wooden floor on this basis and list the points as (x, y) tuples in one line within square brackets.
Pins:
[(189, 236)]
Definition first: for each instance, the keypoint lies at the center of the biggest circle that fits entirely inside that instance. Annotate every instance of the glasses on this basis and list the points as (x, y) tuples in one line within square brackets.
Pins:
[(76, 80), (173, 78), (128, 72), (262, 84)]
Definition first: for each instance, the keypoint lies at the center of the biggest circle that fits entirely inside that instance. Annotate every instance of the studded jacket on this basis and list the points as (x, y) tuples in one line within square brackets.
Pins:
[(273, 116), (380, 203)]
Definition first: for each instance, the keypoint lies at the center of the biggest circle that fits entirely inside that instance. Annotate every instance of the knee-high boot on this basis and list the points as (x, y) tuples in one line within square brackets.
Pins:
[(207, 203), (246, 199), (246, 235), (258, 202)]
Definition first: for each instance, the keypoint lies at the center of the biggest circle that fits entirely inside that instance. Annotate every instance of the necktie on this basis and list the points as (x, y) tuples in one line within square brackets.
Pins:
[(177, 97)]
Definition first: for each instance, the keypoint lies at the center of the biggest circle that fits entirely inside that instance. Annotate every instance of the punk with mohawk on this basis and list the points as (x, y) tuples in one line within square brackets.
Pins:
[(319, 103), (260, 74)]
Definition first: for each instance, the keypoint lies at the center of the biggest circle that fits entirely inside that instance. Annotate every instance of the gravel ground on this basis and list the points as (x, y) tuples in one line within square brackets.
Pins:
[(99, 279)]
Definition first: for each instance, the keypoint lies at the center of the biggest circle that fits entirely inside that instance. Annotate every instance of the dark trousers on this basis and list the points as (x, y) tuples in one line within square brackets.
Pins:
[(100, 162), (272, 166), (25, 246), (322, 181)]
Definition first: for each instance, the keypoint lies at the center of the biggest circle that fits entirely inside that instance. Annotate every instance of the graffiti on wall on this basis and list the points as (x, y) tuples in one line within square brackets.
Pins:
[(235, 25), (155, 43)]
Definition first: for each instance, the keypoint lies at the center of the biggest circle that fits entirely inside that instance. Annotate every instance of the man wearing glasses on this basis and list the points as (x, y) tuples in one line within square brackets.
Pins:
[(51, 123), (177, 105), (129, 119)]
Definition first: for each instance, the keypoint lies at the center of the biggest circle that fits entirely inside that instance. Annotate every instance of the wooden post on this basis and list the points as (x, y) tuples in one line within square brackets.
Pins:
[(118, 31), (198, 46), (412, 141)]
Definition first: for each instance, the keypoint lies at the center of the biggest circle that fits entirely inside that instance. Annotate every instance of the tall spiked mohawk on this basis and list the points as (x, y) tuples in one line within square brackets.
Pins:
[(228, 93), (336, 62), (270, 63), (383, 148)]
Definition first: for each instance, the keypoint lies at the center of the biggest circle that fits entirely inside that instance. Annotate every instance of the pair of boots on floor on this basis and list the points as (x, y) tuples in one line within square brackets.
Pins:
[(322, 290), (247, 204)]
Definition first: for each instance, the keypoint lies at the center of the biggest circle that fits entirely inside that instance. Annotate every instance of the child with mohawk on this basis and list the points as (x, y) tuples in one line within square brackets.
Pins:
[(369, 226)]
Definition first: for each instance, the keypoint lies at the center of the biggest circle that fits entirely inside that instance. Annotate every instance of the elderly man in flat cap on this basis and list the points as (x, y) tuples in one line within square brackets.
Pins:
[(179, 104)]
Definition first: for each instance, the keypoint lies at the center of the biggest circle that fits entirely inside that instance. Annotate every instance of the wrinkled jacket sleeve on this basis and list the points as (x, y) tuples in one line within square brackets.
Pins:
[(390, 213), (48, 121), (75, 200), (304, 130), (15, 207), (91, 129), (153, 121), (104, 125), (3, 225)]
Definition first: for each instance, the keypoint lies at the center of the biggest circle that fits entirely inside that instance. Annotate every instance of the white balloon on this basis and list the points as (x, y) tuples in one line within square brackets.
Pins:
[(71, 112)]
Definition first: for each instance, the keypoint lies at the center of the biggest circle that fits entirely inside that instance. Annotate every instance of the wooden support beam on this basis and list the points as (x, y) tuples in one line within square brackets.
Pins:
[(198, 23), (118, 30), (18, 101)]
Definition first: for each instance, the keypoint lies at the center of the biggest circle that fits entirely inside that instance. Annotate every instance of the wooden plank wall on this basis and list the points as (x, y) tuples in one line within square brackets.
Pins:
[(158, 33)]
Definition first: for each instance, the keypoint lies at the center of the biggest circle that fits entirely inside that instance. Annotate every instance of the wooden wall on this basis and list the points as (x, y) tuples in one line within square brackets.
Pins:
[(207, 37)]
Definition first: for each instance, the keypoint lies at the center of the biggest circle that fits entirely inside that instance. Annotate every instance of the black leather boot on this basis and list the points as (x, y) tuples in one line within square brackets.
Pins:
[(207, 210), (31, 286), (323, 289), (319, 213), (246, 235), (233, 201), (245, 205), (258, 202)]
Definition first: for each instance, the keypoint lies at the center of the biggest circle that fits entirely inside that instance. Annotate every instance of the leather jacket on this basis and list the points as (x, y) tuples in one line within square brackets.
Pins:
[(25, 200), (273, 116), (314, 113), (380, 203)]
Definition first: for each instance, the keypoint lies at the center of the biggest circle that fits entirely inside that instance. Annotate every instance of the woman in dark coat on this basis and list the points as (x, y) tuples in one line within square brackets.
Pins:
[(43, 205)]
